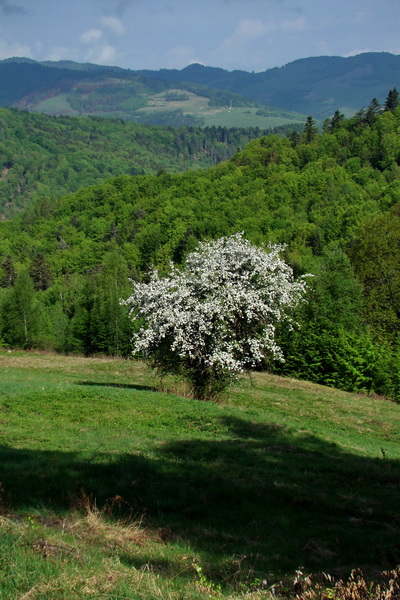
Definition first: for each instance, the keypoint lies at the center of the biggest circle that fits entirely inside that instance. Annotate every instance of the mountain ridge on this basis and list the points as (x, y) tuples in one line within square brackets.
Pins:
[(77, 89), (314, 86)]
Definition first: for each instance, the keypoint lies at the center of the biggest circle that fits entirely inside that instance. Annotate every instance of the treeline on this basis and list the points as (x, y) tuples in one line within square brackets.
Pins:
[(75, 313), (333, 198), (44, 158)]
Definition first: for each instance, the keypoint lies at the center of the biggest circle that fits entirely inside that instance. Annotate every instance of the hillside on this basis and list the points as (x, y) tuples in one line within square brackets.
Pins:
[(77, 90), (304, 193), (43, 157), (202, 95), (333, 199), (112, 489), (314, 86)]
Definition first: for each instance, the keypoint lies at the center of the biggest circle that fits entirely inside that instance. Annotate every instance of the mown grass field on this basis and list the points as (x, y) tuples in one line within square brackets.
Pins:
[(56, 105), (112, 489), (198, 106), (223, 116)]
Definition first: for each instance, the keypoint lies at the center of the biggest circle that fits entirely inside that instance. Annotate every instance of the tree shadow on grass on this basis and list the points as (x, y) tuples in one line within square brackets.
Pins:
[(128, 386), (275, 499)]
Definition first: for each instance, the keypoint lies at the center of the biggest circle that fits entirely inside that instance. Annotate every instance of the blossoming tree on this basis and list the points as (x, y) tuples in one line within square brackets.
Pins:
[(216, 317)]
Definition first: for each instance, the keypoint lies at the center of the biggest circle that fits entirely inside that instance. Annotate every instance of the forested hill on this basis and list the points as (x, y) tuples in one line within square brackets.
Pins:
[(314, 86), (24, 80), (202, 95), (307, 191), (76, 89), (44, 157), (333, 198)]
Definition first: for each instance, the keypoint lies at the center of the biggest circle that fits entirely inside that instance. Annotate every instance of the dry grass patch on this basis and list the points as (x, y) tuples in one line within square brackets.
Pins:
[(82, 555), (74, 586), (385, 586), (95, 527), (39, 360)]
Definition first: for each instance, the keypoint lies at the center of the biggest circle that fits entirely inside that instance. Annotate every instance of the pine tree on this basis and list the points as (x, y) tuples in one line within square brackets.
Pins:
[(336, 121), (110, 323), (310, 130), (8, 272), (392, 100), (40, 272), (373, 110)]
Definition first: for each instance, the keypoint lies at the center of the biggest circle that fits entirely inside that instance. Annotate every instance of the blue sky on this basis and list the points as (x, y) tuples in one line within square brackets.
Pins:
[(253, 35)]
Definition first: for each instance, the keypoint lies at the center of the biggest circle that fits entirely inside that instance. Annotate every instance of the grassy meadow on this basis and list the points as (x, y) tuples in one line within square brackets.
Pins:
[(220, 116), (111, 489), (194, 104)]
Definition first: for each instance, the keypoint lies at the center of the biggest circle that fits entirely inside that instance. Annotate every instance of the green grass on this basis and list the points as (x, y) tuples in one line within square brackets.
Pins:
[(223, 116), (198, 106), (56, 105), (245, 117), (111, 489)]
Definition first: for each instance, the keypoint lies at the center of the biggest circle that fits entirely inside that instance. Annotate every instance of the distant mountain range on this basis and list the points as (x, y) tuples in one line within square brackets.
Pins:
[(313, 86), (199, 95), (67, 88)]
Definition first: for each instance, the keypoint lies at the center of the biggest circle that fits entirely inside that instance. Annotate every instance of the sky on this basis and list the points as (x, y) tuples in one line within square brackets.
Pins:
[(253, 35)]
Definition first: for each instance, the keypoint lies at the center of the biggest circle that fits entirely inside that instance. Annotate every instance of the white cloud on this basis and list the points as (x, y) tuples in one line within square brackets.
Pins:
[(99, 50), (8, 50), (250, 37), (113, 24), (102, 54), (359, 51), (62, 53), (99, 47), (90, 36), (299, 24)]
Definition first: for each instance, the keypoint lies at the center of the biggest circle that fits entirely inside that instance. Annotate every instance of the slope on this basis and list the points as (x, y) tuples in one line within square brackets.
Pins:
[(112, 489), (47, 157), (306, 194), (333, 199), (315, 86), (74, 89)]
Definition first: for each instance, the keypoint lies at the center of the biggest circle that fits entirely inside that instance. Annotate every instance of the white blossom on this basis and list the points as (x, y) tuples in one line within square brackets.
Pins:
[(216, 317)]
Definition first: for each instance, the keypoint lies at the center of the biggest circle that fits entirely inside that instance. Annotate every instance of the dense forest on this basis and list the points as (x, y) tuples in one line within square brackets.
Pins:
[(332, 197), (44, 158)]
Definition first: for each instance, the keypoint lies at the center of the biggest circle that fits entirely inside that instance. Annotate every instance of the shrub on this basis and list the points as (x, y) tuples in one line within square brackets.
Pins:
[(216, 317)]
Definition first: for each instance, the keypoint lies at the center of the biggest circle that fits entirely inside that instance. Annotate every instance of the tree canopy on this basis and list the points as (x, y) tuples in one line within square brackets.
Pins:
[(43, 158)]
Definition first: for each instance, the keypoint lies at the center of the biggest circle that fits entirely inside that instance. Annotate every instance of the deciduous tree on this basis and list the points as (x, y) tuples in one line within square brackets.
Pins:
[(216, 317), (21, 313)]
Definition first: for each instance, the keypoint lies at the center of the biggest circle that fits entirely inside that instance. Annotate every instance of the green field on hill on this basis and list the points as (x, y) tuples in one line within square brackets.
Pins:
[(113, 489), (170, 106), (219, 116)]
